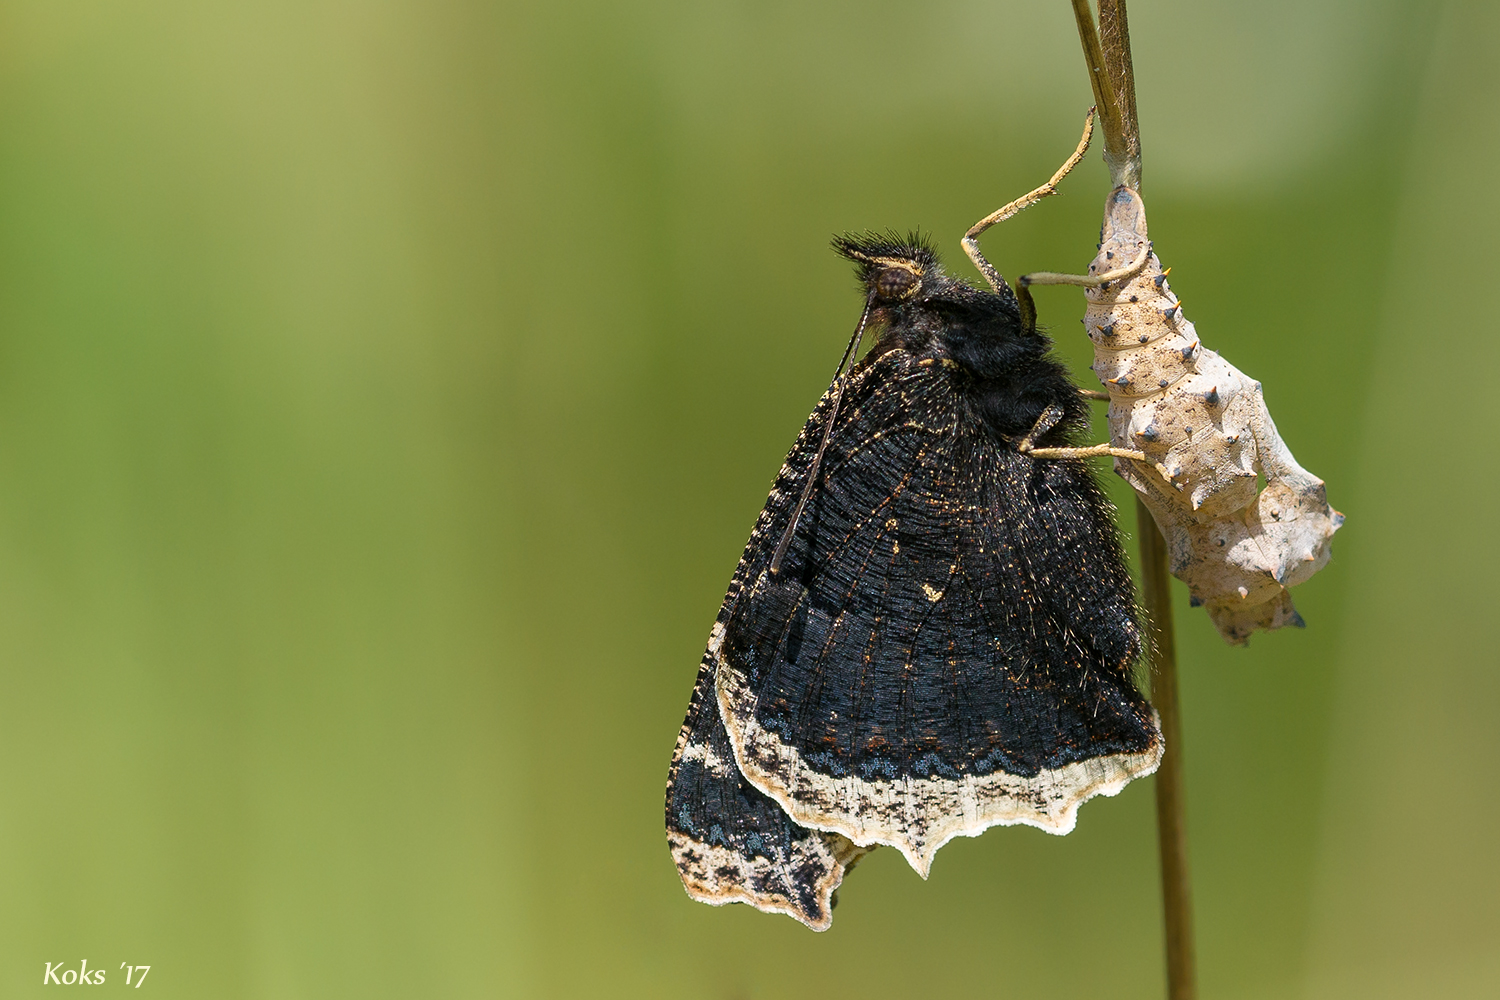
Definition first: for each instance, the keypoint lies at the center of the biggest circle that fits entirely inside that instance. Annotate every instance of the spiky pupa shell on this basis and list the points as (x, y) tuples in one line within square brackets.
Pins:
[(1243, 521)]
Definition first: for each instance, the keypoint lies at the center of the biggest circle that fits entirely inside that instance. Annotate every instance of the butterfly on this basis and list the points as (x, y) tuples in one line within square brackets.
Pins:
[(931, 631)]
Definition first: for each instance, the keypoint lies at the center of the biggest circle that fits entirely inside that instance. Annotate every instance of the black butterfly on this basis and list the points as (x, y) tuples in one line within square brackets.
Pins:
[(931, 631)]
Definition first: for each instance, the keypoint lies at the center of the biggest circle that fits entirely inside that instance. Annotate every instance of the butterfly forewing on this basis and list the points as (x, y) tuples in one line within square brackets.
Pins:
[(947, 645)]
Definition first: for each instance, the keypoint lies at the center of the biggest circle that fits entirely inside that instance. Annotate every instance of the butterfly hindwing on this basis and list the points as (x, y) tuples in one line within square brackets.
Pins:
[(731, 842)]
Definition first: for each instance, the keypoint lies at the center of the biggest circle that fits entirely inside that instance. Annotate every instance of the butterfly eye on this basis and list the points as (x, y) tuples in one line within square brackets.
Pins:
[(896, 284)]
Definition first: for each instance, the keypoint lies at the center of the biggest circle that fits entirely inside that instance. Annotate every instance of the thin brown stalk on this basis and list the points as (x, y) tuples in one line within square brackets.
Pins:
[(1124, 155), (1106, 98), (1171, 829), (1113, 80), (1112, 76)]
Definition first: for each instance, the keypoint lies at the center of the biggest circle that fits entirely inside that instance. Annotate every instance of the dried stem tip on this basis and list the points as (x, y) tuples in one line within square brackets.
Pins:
[(1107, 53)]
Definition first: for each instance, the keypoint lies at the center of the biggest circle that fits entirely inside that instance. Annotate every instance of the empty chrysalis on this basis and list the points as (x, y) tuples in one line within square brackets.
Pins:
[(1209, 444), (1191, 433)]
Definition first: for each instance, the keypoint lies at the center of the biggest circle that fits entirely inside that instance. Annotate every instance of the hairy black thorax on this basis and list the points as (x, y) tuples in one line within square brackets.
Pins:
[(1006, 374)]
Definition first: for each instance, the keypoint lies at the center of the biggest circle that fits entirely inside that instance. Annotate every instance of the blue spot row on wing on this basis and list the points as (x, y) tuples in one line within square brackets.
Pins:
[(997, 759), (934, 767), (827, 763), (780, 726)]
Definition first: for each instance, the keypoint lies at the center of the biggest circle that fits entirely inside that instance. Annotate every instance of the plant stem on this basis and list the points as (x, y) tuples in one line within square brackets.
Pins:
[(1112, 76), (1114, 37), (1171, 828), (1106, 99)]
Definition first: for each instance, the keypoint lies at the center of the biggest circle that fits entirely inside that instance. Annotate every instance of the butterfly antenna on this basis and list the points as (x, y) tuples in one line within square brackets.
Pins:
[(840, 378)]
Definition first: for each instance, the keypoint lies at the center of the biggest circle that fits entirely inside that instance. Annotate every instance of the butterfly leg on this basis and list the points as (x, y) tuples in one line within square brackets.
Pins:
[(1092, 451), (970, 244), (1086, 280), (1046, 422)]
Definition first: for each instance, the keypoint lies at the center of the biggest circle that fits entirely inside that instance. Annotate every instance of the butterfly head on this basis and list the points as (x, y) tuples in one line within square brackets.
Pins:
[(906, 287), (894, 271)]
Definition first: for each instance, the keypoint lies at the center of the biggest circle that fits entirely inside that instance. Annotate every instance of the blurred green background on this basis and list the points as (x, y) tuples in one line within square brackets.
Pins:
[(387, 389)]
